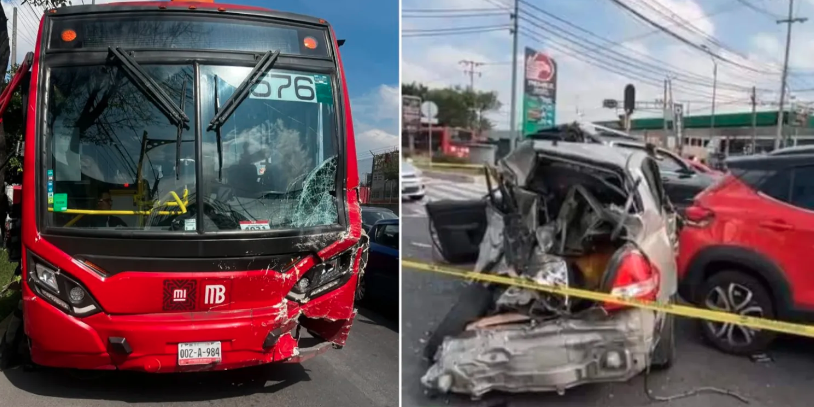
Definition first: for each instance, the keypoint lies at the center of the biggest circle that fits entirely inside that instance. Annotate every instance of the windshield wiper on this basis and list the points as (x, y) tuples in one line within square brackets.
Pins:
[(180, 133), (217, 133), (149, 87), (243, 90)]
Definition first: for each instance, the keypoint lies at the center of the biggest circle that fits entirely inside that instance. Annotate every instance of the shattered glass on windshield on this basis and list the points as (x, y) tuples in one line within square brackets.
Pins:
[(273, 163)]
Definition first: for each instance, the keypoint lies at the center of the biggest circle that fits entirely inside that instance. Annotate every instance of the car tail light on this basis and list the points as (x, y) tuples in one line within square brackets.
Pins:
[(698, 216), (635, 277)]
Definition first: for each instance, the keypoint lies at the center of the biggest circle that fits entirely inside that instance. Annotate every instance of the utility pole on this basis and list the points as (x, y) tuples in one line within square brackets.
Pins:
[(470, 68), (664, 115), (515, 34), (754, 121), (14, 38), (679, 141), (791, 20)]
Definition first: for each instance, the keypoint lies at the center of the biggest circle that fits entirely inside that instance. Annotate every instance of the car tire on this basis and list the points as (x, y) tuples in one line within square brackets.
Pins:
[(473, 303), (361, 290), (664, 353), (738, 292)]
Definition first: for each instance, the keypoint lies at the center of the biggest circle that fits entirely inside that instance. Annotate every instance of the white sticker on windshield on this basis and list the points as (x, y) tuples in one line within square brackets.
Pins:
[(189, 224), (254, 225), (285, 86)]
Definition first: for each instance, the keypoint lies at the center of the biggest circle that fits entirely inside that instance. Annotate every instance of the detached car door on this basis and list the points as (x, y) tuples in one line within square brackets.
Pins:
[(457, 228)]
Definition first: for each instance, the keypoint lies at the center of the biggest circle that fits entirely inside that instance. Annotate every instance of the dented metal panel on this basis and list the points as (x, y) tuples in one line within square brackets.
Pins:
[(553, 356), (565, 214)]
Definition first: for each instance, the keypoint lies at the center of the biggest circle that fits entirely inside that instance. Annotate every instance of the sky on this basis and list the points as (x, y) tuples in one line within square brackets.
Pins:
[(370, 57), (742, 36)]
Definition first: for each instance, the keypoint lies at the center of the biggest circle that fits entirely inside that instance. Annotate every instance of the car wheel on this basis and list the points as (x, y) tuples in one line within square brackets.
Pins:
[(361, 290), (664, 354), (739, 293)]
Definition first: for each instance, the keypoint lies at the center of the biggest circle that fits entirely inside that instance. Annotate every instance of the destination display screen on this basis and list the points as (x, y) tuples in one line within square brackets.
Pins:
[(134, 31)]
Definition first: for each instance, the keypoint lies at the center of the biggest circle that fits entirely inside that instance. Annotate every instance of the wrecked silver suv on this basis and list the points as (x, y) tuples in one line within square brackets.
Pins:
[(587, 216)]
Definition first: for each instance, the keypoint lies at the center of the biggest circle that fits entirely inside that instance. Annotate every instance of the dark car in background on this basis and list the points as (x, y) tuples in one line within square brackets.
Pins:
[(380, 283), (372, 214), (681, 181)]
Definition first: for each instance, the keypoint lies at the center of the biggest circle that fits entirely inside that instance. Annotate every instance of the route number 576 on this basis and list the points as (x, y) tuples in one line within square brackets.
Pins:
[(288, 87)]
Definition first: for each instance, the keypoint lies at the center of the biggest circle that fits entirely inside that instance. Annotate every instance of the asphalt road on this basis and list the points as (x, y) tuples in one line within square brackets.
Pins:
[(363, 373), (788, 380)]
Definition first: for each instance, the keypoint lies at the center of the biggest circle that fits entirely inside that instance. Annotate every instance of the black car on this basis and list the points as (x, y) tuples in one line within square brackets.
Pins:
[(372, 214), (681, 181), (380, 284)]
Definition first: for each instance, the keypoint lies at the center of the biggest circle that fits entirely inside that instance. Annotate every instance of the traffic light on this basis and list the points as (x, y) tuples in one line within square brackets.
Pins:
[(630, 98)]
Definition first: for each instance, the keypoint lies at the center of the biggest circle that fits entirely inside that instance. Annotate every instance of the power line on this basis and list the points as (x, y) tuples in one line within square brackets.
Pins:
[(479, 15), (759, 10), (682, 39), (442, 32), (668, 14), (656, 67), (655, 82), (447, 10)]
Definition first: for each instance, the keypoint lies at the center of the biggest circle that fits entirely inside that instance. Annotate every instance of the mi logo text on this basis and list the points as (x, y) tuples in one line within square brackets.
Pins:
[(179, 295)]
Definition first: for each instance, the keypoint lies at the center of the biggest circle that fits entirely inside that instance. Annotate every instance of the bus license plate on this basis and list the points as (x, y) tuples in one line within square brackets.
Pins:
[(198, 353)]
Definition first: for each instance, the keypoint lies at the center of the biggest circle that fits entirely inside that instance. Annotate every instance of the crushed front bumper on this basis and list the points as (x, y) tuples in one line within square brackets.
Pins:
[(552, 356), (248, 337)]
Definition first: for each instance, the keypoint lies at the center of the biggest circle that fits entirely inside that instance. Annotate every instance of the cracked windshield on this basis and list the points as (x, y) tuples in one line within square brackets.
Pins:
[(116, 161)]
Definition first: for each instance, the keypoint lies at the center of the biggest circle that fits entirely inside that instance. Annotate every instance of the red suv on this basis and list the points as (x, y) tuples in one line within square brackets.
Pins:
[(744, 247)]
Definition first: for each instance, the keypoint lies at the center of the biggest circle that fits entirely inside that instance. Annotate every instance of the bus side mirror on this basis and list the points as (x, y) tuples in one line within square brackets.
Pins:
[(340, 42)]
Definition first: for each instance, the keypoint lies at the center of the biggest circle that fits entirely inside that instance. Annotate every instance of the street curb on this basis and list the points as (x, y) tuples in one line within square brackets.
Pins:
[(446, 176)]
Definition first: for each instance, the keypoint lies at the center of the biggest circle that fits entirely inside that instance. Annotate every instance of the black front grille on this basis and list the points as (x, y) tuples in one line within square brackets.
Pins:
[(410, 190)]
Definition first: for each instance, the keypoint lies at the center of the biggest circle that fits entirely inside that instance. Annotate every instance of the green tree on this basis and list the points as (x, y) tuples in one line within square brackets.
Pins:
[(458, 107)]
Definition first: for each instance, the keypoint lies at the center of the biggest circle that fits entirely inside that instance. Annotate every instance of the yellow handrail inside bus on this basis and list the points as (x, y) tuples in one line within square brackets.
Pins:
[(181, 204)]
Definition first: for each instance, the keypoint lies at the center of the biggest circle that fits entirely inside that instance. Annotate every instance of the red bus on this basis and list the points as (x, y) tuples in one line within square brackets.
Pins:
[(190, 190)]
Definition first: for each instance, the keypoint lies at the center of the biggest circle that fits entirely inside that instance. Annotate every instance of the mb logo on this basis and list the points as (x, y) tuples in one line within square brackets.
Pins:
[(215, 294)]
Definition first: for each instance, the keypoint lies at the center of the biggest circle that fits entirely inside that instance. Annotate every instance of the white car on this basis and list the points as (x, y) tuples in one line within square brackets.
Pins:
[(412, 185)]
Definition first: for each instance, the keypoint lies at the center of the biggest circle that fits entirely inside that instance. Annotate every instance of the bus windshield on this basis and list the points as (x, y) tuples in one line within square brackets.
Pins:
[(115, 161)]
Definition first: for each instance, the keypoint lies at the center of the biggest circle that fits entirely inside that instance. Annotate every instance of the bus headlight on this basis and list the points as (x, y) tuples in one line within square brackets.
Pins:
[(46, 277), (61, 290), (324, 276)]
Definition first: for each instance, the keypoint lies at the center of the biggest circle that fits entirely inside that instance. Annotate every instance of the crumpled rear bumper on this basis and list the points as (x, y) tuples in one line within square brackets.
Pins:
[(552, 356)]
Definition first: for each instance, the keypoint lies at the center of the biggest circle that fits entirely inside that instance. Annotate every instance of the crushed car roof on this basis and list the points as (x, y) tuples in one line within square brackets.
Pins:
[(593, 152), (523, 159)]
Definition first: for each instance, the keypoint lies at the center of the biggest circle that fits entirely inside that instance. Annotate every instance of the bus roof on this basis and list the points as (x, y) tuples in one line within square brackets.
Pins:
[(206, 7), (187, 3)]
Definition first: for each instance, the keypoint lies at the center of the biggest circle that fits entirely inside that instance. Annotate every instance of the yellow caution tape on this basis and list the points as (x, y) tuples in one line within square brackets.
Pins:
[(669, 308)]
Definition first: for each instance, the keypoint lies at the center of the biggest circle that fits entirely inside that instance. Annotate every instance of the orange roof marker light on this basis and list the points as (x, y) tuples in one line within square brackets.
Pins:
[(68, 35), (310, 42)]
